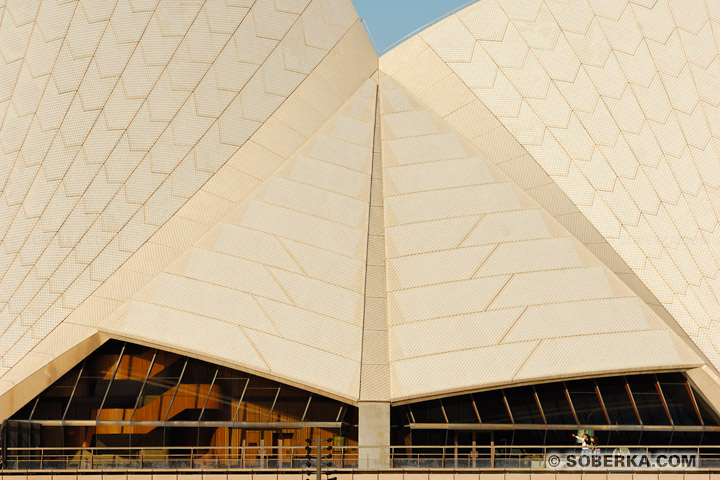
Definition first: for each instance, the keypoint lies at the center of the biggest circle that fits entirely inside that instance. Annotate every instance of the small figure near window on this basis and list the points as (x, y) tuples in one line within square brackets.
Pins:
[(594, 445), (585, 440)]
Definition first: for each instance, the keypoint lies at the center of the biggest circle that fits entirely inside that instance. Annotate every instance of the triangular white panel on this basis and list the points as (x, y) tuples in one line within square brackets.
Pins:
[(485, 288), (276, 286), (617, 103), (129, 129)]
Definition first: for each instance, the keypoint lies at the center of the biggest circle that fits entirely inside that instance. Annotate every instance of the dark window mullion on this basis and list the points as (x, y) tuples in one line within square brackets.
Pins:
[(177, 387), (602, 402), (632, 401), (694, 402), (507, 407), (272, 407), (242, 395), (72, 394), (307, 405), (207, 397), (112, 378), (539, 405), (142, 387), (442, 409), (474, 405), (663, 400), (570, 402), (37, 400), (411, 415)]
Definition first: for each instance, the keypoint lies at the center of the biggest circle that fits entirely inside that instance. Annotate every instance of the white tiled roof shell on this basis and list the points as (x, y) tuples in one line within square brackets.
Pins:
[(196, 175), (276, 285), (129, 129), (485, 288), (617, 101)]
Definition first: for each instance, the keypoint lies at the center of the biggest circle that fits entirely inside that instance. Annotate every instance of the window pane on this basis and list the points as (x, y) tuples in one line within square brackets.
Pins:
[(192, 391), (322, 409), (52, 401), (428, 412), (492, 407), (554, 403), (258, 400), (158, 391), (227, 391), (400, 416), (585, 400), (128, 382), (679, 403), (459, 409), (21, 434), (523, 405), (94, 382), (671, 377), (708, 414), (291, 404), (648, 400), (617, 401)]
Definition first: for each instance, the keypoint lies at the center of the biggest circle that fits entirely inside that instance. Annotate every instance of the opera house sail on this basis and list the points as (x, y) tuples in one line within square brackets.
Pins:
[(230, 228)]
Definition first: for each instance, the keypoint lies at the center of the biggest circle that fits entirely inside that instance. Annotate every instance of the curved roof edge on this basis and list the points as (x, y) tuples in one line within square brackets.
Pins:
[(408, 36), (580, 136)]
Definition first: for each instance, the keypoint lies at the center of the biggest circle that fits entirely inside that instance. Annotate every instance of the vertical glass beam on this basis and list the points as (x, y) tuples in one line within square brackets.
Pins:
[(572, 407), (37, 399), (117, 366), (142, 388), (272, 407), (242, 395), (602, 402), (662, 399), (694, 402), (411, 415), (442, 409), (539, 405), (474, 405), (177, 387), (307, 405), (207, 397), (72, 394), (632, 400), (237, 410), (507, 407)]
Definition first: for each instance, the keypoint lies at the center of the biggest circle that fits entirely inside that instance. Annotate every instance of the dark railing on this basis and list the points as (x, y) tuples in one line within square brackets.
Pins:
[(524, 457)]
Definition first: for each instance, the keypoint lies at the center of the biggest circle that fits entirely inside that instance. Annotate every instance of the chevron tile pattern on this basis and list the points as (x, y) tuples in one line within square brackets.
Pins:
[(618, 103), (469, 252), (137, 105), (281, 277), (245, 181)]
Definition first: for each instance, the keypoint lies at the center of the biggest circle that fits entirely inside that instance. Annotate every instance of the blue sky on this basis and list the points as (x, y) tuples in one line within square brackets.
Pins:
[(390, 20)]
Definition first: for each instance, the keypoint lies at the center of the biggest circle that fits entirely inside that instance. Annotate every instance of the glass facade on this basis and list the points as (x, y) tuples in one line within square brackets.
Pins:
[(136, 406), (126, 395), (651, 409)]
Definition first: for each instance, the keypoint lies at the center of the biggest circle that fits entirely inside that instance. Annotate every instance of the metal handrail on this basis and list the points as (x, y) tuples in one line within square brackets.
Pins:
[(461, 457)]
